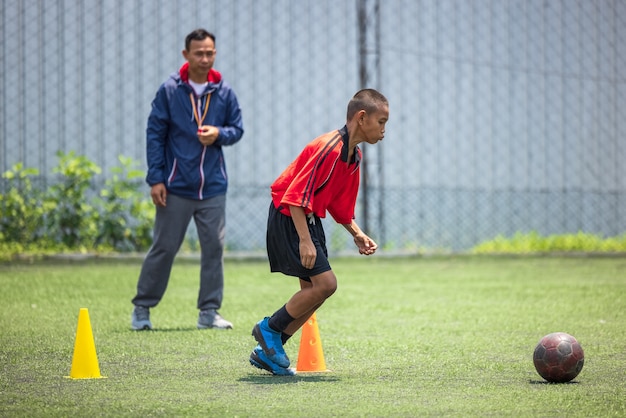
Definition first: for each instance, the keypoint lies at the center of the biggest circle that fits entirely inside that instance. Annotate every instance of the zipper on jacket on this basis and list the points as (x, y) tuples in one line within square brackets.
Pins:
[(170, 178)]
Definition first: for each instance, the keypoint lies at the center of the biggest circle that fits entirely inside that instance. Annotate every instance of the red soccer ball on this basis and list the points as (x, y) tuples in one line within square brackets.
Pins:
[(558, 357)]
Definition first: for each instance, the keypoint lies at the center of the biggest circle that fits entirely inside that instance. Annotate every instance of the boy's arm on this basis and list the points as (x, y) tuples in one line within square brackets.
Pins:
[(308, 252), (366, 245)]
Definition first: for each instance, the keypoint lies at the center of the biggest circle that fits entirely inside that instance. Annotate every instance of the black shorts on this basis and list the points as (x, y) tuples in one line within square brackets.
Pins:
[(283, 246)]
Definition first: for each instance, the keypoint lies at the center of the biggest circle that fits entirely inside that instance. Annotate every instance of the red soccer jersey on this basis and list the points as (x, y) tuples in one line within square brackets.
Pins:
[(321, 179)]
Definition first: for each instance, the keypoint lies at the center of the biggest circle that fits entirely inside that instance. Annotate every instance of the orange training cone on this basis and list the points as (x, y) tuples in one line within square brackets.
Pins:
[(311, 355), (85, 360)]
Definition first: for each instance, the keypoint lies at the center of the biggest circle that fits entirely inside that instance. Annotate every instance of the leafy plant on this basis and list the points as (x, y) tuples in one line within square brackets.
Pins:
[(71, 218), (126, 216), (70, 215), (532, 242), (21, 216)]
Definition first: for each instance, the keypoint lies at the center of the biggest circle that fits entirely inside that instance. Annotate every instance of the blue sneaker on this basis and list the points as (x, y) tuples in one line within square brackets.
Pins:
[(270, 342), (259, 360)]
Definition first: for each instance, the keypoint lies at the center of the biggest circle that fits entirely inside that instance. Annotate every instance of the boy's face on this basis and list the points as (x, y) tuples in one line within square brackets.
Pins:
[(374, 124)]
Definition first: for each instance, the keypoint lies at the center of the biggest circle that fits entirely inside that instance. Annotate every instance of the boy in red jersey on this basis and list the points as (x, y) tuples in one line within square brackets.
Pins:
[(324, 177)]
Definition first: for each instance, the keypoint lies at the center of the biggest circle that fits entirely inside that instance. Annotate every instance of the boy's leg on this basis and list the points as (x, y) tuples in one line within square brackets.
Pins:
[(288, 319), (282, 256), (309, 298), (297, 323)]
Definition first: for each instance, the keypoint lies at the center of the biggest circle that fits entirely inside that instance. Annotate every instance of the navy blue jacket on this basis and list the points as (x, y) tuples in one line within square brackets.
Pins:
[(175, 155)]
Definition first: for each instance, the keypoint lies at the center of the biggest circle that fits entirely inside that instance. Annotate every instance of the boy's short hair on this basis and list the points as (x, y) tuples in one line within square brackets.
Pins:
[(366, 99), (198, 35)]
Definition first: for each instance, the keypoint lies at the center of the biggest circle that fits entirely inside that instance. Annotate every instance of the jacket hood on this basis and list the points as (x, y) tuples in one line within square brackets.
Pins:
[(214, 76)]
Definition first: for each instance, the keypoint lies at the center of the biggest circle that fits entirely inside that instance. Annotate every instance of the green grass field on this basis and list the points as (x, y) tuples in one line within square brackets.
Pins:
[(405, 337)]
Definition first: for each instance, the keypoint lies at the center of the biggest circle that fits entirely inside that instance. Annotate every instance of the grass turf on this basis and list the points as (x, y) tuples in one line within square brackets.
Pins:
[(441, 336)]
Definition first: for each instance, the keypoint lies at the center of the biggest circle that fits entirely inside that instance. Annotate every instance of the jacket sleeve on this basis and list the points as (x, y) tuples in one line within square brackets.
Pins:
[(156, 135), (232, 130)]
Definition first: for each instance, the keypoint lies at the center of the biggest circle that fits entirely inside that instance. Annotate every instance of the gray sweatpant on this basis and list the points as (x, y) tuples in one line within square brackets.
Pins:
[(170, 227)]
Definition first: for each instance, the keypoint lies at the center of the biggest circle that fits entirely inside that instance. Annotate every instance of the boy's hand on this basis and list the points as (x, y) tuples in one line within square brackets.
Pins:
[(308, 253), (366, 245)]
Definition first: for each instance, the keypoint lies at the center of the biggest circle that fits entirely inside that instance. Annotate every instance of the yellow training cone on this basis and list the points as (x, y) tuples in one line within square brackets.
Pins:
[(311, 355), (85, 360)]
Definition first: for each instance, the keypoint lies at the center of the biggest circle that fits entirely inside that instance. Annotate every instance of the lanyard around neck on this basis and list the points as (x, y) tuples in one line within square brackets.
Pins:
[(196, 113)]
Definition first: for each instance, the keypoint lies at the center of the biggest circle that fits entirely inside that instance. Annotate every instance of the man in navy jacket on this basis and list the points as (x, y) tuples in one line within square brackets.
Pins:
[(194, 114)]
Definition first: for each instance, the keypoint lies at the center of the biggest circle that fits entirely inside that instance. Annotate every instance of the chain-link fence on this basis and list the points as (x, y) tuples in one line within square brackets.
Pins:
[(505, 115)]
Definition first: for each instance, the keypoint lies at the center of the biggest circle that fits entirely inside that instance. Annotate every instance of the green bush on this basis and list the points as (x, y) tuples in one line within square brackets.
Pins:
[(70, 215), (71, 219), (22, 212), (532, 242), (126, 217)]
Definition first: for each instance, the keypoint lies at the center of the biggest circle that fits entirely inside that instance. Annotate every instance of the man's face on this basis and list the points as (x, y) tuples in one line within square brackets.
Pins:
[(201, 55)]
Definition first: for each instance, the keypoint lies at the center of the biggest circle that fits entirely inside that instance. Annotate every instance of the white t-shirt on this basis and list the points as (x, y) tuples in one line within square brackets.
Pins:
[(198, 87)]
